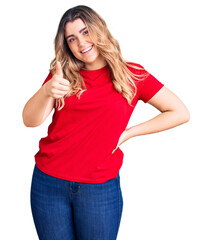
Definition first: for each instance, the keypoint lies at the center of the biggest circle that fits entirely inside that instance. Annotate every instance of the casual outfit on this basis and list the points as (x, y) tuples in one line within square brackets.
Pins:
[(85, 131), (76, 172)]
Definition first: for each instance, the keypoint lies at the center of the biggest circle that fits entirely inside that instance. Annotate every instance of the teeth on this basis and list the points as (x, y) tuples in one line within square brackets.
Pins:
[(86, 50)]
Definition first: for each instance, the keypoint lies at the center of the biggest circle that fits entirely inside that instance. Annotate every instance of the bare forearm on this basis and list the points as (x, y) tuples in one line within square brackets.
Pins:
[(161, 122), (37, 108)]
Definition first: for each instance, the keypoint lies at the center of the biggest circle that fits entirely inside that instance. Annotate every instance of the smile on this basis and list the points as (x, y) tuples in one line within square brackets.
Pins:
[(87, 50)]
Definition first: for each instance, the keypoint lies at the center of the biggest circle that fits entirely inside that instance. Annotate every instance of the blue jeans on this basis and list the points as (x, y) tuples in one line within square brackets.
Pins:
[(65, 210)]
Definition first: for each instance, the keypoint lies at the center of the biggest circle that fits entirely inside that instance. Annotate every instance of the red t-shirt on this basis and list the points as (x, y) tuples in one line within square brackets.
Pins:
[(85, 131)]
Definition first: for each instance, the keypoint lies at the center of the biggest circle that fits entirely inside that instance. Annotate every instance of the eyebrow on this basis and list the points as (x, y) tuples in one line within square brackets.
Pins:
[(73, 35)]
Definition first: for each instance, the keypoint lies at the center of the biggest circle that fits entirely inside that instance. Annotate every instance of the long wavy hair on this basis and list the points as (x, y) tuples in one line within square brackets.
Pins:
[(107, 46)]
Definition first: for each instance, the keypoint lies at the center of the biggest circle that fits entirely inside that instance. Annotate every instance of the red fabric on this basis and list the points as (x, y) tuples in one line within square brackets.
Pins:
[(84, 133)]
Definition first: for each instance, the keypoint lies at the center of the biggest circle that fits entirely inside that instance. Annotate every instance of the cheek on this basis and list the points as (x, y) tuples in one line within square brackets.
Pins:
[(96, 51), (73, 50)]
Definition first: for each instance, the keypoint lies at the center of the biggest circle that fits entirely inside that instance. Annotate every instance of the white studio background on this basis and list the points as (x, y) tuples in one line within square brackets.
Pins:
[(166, 177)]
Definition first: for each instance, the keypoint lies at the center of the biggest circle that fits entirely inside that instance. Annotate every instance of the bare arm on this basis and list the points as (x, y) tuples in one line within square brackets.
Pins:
[(40, 105), (37, 109), (173, 113)]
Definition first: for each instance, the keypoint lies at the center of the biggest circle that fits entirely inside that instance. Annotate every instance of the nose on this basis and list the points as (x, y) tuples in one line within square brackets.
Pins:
[(81, 42)]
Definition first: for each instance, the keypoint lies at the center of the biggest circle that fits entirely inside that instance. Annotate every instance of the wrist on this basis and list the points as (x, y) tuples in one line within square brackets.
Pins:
[(44, 91)]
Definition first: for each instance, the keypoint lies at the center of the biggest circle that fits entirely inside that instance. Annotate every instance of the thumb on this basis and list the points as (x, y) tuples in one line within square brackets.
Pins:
[(59, 70)]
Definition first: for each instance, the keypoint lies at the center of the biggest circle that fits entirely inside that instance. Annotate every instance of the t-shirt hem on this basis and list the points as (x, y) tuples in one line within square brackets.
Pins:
[(80, 180), (156, 91)]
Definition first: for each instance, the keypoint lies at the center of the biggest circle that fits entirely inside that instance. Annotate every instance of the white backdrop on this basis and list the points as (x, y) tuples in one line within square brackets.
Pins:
[(166, 177)]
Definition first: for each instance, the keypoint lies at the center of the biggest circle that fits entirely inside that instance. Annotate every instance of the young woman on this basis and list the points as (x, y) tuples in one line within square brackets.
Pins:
[(75, 191)]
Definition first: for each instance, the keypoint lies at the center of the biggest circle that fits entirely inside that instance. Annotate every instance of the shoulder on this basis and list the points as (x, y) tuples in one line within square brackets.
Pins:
[(138, 70), (135, 68), (133, 65)]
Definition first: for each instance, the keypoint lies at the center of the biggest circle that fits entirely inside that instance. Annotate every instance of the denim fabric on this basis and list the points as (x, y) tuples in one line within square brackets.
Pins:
[(66, 210)]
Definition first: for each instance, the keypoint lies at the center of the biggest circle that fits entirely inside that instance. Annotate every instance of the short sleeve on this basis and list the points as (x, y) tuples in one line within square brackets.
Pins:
[(148, 87), (47, 78)]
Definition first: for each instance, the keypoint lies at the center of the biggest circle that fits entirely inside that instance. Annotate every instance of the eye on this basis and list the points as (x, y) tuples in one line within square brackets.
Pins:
[(85, 32), (71, 40)]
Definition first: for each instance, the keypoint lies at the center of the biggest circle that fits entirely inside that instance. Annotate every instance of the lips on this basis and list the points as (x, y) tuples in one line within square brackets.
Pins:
[(86, 50)]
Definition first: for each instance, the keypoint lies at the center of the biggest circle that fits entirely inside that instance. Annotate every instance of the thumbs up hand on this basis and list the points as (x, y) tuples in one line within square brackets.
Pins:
[(59, 70), (57, 87)]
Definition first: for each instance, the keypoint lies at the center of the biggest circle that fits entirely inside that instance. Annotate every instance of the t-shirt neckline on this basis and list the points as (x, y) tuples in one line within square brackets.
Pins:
[(99, 70)]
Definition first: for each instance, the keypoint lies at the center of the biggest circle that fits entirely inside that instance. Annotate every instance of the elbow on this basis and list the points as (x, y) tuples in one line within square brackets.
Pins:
[(25, 123), (187, 117), (28, 122), (24, 118), (180, 116), (184, 116), (29, 125)]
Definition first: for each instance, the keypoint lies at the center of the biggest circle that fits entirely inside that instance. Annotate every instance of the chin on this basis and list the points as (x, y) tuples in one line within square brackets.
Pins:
[(91, 61)]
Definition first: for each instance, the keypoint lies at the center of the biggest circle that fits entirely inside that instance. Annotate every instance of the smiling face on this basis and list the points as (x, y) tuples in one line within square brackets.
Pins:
[(80, 44)]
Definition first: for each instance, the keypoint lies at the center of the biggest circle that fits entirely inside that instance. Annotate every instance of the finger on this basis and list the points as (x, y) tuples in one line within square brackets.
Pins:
[(63, 87), (58, 96), (59, 93), (59, 70), (64, 82)]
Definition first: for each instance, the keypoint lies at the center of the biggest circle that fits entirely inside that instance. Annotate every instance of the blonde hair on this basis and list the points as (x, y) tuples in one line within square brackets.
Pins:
[(107, 46)]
